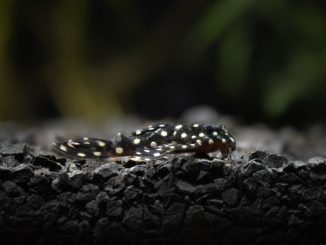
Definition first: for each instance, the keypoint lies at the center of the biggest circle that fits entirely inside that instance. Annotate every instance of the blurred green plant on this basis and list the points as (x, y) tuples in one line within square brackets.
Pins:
[(7, 104), (97, 55), (303, 29)]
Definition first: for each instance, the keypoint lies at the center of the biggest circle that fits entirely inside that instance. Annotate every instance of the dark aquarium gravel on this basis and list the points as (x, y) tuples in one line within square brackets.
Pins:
[(257, 197)]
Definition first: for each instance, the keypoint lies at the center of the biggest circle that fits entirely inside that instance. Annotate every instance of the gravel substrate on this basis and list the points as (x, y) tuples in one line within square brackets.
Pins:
[(259, 198)]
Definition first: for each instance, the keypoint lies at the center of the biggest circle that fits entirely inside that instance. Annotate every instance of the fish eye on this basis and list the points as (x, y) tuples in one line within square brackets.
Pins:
[(208, 128)]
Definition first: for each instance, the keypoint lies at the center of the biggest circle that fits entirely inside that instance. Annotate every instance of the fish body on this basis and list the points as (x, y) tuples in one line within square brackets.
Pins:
[(154, 141)]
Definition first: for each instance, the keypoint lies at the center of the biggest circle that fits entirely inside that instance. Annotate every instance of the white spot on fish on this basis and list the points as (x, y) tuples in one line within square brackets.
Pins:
[(183, 135), (153, 144), (223, 141), (80, 154), (164, 133), (97, 153), (100, 143), (136, 141), (202, 135), (210, 141), (63, 148), (119, 150), (178, 127)]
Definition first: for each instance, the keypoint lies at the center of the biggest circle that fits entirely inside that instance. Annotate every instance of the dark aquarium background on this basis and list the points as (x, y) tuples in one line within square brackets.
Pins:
[(78, 72), (99, 59)]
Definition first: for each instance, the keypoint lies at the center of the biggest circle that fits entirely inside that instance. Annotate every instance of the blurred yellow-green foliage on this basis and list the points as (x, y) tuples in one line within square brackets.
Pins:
[(101, 58)]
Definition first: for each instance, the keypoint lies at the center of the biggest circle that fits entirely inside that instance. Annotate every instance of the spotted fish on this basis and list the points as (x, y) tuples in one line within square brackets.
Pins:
[(153, 142)]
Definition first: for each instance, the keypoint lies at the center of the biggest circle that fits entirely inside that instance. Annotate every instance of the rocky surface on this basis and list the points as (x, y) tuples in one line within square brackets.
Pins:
[(258, 197)]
